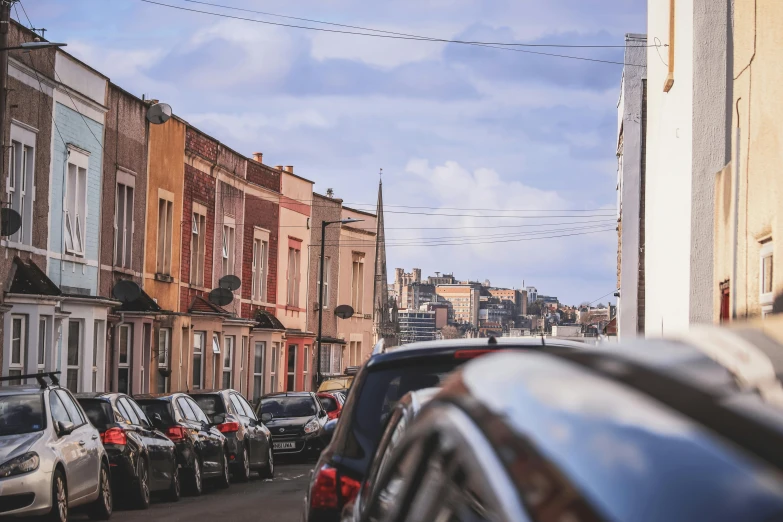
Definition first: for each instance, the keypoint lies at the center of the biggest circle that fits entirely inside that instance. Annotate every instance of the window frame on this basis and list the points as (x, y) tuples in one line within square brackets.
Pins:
[(258, 391), (259, 266), (43, 342), (229, 245), (289, 372), (305, 366), (202, 335), (357, 281), (79, 325), (293, 276), (198, 244), (766, 252), (227, 363), (165, 233), (75, 219), (327, 260), (126, 366), (123, 230), (21, 195), (23, 348), (273, 367)]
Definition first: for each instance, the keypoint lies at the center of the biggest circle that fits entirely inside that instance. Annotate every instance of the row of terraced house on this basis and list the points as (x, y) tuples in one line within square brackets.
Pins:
[(105, 196)]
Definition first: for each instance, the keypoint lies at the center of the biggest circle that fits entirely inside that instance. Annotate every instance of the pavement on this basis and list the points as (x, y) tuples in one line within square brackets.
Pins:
[(278, 500)]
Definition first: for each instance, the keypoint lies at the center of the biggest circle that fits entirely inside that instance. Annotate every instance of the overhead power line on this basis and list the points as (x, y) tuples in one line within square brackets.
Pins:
[(414, 36), (390, 36)]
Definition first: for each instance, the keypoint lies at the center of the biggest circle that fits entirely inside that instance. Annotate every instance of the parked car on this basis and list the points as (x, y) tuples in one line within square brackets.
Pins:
[(336, 383), (380, 383), (296, 421), (51, 457), (142, 459), (249, 441), (202, 451), (332, 402), (403, 415), (656, 431)]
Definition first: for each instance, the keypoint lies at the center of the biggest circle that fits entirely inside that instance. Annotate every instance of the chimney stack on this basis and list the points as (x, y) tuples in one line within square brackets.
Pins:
[(290, 168), (279, 167), (258, 156)]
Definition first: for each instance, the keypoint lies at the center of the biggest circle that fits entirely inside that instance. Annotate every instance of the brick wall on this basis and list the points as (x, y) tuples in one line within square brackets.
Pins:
[(231, 161), (263, 175), (264, 214), (199, 187), (201, 144)]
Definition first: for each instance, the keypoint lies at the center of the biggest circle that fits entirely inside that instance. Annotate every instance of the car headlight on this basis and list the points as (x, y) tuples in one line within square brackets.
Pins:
[(311, 426), (21, 464)]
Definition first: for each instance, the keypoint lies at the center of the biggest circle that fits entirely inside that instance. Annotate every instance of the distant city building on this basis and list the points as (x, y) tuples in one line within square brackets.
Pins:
[(416, 325), (532, 294), (463, 300)]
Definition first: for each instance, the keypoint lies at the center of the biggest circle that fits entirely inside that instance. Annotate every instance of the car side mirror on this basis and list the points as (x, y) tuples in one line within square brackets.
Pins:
[(205, 426), (266, 417), (321, 413), (220, 418), (328, 431), (64, 428)]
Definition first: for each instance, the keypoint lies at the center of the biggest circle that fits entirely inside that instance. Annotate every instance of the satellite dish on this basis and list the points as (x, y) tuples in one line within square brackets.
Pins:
[(159, 113), (126, 291), (10, 222), (230, 282), (221, 296), (343, 311)]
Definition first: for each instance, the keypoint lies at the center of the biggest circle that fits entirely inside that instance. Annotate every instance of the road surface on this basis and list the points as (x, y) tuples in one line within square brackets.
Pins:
[(278, 500)]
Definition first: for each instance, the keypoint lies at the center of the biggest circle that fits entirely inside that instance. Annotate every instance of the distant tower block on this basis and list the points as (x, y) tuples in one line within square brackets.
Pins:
[(417, 275)]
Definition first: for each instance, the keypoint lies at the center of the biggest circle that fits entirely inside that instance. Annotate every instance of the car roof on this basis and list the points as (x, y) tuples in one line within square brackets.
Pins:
[(98, 395), (424, 349), (22, 389), (286, 394), (590, 418), (209, 392), (157, 396)]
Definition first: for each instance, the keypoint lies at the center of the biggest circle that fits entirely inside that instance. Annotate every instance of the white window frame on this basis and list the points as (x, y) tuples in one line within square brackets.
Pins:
[(20, 365), (97, 344), (198, 244), (305, 366), (202, 336), (258, 391), (164, 350), (273, 367), (229, 245), (20, 182), (165, 232), (242, 359), (43, 343), (229, 342), (289, 373), (327, 267), (766, 252), (75, 201), (259, 265), (79, 325), (125, 330), (293, 276), (357, 282)]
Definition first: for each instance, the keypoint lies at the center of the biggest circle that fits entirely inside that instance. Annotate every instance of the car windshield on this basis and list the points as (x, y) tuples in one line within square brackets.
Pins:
[(99, 413), (152, 407), (382, 389), (283, 407), (21, 414), (211, 404), (329, 403)]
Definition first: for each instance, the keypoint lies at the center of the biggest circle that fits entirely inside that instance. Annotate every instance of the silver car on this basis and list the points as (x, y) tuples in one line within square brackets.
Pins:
[(51, 457)]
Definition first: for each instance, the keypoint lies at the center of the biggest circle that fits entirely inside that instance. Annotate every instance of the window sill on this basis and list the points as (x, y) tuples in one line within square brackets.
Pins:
[(74, 258), (165, 278), (121, 270), (294, 308)]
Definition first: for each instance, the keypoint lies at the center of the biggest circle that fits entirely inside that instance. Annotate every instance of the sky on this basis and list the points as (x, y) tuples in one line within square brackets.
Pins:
[(476, 143)]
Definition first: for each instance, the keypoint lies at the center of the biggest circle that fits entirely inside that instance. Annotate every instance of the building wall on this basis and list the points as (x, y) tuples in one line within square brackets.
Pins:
[(125, 147), (324, 209), (758, 107), (199, 188), (357, 238), (166, 170), (629, 183), (264, 214), (669, 180)]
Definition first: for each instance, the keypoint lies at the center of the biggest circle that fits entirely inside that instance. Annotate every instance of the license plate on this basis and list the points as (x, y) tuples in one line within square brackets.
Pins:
[(283, 445)]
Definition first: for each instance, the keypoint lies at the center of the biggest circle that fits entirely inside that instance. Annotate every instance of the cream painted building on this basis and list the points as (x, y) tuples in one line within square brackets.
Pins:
[(686, 143), (757, 145), (355, 285)]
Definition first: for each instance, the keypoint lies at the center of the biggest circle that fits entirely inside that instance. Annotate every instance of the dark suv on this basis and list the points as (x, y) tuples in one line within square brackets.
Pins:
[(249, 441), (380, 383)]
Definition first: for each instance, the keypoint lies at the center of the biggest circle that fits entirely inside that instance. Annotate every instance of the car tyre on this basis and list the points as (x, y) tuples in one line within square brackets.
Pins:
[(196, 482), (174, 491), (59, 512), (143, 485), (225, 478), (269, 470), (243, 474), (102, 508)]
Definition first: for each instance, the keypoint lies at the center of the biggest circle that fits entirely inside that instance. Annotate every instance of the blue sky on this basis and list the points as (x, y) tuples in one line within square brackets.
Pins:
[(452, 126)]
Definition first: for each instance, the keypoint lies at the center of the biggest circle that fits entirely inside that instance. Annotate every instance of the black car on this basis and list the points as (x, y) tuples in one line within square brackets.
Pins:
[(380, 383), (249, 441), (665, 433), (296, 421), (401, 418), (202, 451), (142, 459)]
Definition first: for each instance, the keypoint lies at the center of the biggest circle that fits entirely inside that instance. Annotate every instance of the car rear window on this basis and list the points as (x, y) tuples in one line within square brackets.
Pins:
[(382, 389), (21, 414), (211, 404), (288, 407), (329, 403), (99, 413), (162, 408)]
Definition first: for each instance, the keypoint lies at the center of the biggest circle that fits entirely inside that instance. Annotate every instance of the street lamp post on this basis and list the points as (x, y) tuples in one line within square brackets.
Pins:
[(324, 224)]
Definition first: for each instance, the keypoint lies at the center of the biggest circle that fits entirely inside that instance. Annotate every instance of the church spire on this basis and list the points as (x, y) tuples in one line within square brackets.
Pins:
[(384, 325)]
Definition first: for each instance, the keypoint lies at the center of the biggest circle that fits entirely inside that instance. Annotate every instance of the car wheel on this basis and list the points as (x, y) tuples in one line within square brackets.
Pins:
[(243, 474), (59, 511), (173, 493), (196, 486), (269, 469), (102, 508), (143, 485), (225, 479)]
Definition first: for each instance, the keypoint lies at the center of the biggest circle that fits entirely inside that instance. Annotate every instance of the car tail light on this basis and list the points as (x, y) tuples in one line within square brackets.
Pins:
[(176, 433), (228, 427), (114, 436), (332, 414), (325, 493)]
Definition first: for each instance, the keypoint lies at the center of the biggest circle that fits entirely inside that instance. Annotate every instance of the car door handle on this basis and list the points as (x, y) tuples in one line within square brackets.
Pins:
[(94, 437)]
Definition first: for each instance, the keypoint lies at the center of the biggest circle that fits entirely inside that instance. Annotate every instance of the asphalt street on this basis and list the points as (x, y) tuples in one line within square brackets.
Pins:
[(278, 500)]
